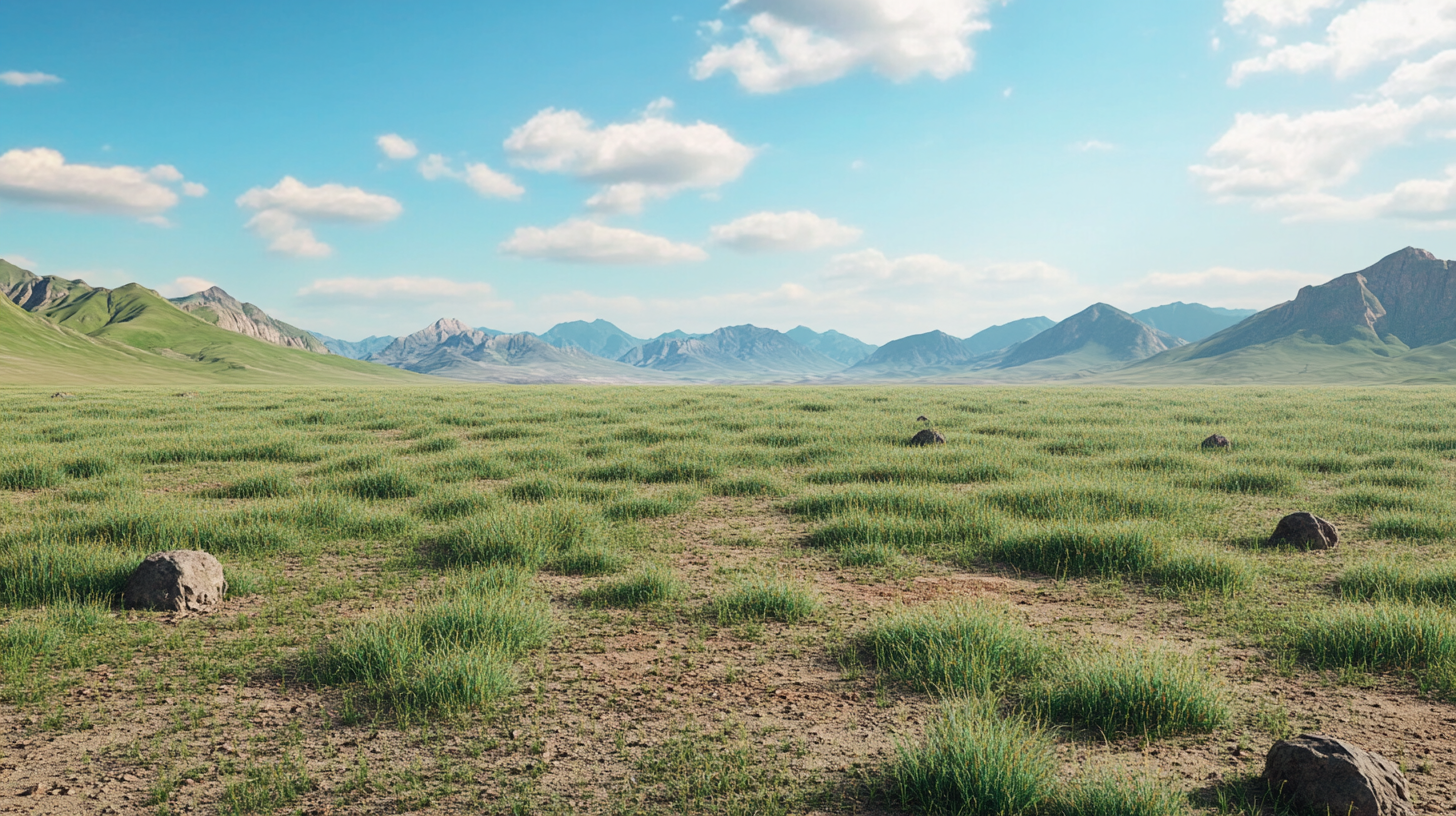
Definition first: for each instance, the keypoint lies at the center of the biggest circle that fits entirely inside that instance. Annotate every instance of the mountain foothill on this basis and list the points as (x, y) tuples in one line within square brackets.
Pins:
[(1393, 322)]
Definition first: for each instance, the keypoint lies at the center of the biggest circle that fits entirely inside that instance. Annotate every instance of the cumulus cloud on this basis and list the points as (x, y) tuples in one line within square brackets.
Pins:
[(784, 232), (43, 176), (183, 286), (1274, 12), (1280, 160), (19, 79), (792, 43), (285, 209), (400, 288), (479, 176), (633, 161), (397, 147), (1413, 79), (326, 202), (579, 241), (286, 235), (1371, 32)]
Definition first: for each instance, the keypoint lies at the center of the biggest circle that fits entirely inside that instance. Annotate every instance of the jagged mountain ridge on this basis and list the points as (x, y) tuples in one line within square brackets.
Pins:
[(598, 337), (832, 344), (450, 348), (733, 353), (357, 350), (226, 312)]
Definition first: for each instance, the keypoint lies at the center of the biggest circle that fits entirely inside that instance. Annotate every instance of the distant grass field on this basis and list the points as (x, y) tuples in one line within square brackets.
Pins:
[(611, 599)]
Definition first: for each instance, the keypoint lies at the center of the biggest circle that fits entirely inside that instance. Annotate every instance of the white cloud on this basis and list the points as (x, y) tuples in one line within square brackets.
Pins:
[(42, 176), (634, 161), (1428, 201), (401, 288), (792, 43), (327, 202), (1217, 286), (1279, 158), (1412, 79), (20, 261), (193, 189), (397, 147), (184, 286), (784, 232), (286, 235), (479, 176), (588, 242), (285, 209), (1274, 12), (1093, 146), (1371, 32), (19, 79)]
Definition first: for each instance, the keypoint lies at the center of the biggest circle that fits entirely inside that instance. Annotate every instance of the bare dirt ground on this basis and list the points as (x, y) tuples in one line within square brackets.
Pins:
[(616, 686)]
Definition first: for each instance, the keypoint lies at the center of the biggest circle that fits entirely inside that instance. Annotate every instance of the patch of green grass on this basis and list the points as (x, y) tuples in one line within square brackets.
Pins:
[(1074, 549), (448, 506), (974, 761), (87, 467), (1120, 793), (904, 534), (385, 484), (645, 507), (1195, 568), (545, 489), (170, 527), (34, 573), (1376, 637), (1417, 526), (262, 486), (747, 486), (718, 773), (265, 788), (1366, 499), (648, 586), (958, 647), (523, 535), (1393, 582), (758, 599), (589, 560), (435, 444), (869, 555), (31, 477), (1134, 692), (451, 652), (1259, 481)]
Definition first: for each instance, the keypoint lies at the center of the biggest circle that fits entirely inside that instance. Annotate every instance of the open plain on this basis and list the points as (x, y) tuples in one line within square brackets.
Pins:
[(720, 600)]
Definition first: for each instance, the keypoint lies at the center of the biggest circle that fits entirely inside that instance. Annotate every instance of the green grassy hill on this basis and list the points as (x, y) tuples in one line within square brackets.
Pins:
[(131, 335)]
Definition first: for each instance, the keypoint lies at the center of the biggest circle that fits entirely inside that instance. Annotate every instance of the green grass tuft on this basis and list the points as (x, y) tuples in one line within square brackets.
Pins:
[(385, 484), (650, 585), (523, 535), (759, 599), (1134, 692), (959, 647)]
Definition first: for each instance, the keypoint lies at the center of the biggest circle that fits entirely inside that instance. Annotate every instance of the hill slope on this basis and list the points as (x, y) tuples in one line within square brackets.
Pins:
[(832, 344), (224, 311), (153, 334), (918, 355), (733, 353), (1192, 321), (450, 348)]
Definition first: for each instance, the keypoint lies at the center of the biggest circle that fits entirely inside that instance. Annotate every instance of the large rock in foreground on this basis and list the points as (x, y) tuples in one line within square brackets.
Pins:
[(176, 580), (927, 437), (1306, 530), (1327, 775)]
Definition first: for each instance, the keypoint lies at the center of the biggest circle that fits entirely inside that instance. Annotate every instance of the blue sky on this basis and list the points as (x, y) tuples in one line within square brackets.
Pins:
[(881, 167)]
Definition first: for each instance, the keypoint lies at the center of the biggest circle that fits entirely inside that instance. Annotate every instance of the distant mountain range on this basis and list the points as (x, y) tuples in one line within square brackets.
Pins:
[(1392, 322)]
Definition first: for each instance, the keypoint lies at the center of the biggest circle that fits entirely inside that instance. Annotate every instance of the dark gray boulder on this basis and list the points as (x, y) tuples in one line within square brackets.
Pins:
[(1217, 442), (176, 580), (927, 437), (1327, 775), (1305, 530)]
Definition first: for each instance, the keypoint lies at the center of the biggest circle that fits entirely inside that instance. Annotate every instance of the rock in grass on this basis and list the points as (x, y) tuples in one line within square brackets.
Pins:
[(63, 395), (1327, 775), (927, 437), (176, 580), (1306, 530), (1217, 442)]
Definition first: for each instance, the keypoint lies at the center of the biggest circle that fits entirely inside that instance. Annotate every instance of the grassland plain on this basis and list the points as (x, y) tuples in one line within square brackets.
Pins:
[(720, 600)]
